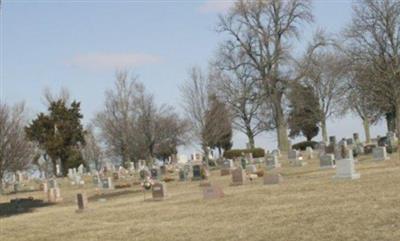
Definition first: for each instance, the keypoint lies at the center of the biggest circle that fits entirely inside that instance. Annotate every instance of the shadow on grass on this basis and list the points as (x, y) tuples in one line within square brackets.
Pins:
[(22, 191), (113, 194), (21, 205)]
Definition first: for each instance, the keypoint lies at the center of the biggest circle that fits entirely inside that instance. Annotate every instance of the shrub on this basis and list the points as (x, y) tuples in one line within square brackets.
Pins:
[(231, 154), (303, 145)]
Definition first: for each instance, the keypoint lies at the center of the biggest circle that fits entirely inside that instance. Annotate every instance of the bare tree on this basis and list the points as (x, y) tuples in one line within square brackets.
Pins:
[(118, 119), (158, 127), (325, 71), (16, 152), (262, 31), (195, 92), (237, 87), (92, 152), (373, 40)]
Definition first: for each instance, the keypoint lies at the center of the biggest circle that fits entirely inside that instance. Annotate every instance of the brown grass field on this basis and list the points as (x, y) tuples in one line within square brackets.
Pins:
[(308, 205)]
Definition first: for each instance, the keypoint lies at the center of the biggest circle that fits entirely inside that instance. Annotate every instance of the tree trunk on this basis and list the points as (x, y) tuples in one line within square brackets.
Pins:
[(205, 151), (398, 120), (324, 130), (391, 121), (367, 130), (281, 128), (250, 136)]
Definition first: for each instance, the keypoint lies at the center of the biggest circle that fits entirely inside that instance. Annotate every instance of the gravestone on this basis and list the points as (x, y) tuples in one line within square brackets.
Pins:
[(212, 192), (228, 164), (54, 195), (345, 169), (155, 174), (379, 153), (356, 138), (251, 168), (331, 148), (321, 148), (183, 175), (237, 176), (53, 183), (163, 170), (96, 179), (293, 155), (159, 191), (271, 161), (82, 201), (107, 183), (58, 170), (349, 141), (327, 161), (116, 176), (81, 169), (272, 178), (44, 187), (196, 172)]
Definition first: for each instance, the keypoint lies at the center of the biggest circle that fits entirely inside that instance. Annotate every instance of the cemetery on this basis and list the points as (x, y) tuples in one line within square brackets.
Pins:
[(175, 210)]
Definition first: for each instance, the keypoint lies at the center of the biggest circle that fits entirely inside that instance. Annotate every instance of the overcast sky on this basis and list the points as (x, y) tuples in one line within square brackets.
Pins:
[(80, 44)]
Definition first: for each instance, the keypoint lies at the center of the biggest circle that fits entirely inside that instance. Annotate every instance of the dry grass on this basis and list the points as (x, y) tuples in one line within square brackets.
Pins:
[(308, 205)]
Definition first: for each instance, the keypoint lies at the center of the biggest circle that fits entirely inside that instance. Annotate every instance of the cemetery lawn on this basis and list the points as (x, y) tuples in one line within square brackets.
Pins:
[(308, 205)]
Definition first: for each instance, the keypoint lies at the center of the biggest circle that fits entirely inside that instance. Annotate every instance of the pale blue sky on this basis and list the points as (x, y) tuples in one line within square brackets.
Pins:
[(78, 44)]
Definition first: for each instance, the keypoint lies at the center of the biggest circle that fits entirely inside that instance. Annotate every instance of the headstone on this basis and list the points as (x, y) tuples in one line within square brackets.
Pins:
[(58, 170), (163, 170), (81, 169), (131, 167), (356, 138), (272, 178), (44, 187), (349, 141), (293, 155), (379, 153), (159, 191), (321, 148), (116, 176), (237, 176), (53, 183), (345, 169), (251, 168), (96, 179), (54, 195), (107, 183), (19, 177), (271, 161), (228, 164), (196, 172), (212, 192), (82, 201), (327, 161), (155, 175), (183, 175)]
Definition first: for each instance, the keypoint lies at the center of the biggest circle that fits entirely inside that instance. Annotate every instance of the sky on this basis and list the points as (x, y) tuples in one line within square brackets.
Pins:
[(79, 45)]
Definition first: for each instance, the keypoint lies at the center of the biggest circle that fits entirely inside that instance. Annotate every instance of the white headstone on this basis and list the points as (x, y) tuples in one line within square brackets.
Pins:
[(379, 153), (345, 169)]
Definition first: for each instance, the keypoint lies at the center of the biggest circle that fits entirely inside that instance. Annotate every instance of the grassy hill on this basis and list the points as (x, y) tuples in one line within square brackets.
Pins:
[(308, 205)]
